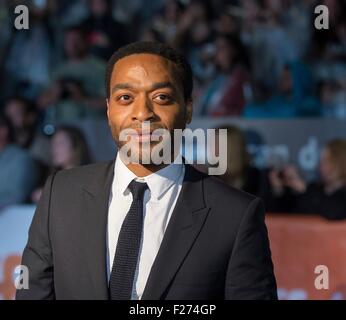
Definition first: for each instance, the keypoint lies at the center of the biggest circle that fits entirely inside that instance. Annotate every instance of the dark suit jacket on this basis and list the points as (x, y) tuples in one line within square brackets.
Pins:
[(215, 246)]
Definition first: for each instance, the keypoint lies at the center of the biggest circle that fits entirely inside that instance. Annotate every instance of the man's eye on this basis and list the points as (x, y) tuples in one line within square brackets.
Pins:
[(125, 97), (163, 98)]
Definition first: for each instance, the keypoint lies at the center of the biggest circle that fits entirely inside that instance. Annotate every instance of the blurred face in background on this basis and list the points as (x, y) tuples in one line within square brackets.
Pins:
[(236, 152), (331, 169), (171, 11), (75, 44), (63, 153), (251, 10), (225, 54), (274, 5), (227, 24), (200, 29), (98, 8), (198, 11), (16, 111), (237, 156)]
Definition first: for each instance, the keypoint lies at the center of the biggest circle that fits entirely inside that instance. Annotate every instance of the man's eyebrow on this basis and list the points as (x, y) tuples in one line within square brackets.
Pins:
[(155, 86), (160, 85), (120, 86)]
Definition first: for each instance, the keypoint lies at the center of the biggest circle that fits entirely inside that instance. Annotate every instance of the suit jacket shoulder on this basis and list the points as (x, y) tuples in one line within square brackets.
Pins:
[(219, 195), (83, 175)]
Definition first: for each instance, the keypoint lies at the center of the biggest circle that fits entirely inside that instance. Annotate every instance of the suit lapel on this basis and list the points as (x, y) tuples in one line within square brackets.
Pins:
[(185, 224), (94, 220)]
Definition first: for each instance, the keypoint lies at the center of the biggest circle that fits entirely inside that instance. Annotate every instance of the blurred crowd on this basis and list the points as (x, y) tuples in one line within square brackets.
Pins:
[(250, 58), (284, 190)]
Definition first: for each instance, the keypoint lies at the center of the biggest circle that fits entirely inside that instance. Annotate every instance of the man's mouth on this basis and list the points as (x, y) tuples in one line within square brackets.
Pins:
[(144, 136)]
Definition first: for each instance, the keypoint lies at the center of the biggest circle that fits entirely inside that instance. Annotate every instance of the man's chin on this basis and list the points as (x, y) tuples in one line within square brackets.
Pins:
[(136, 156)]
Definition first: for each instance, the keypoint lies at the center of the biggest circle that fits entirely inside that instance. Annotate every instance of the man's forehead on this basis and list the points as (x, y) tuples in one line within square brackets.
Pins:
[(144, 63)]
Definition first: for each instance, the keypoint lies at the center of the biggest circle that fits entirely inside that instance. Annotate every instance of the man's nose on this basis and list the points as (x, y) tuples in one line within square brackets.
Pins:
[(143, 110)]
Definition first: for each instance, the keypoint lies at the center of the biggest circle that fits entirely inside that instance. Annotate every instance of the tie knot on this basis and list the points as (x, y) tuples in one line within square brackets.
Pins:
[(137, 189)]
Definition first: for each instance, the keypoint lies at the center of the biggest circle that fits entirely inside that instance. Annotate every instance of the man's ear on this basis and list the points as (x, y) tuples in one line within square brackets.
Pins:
[(107, 102), (189, 110)]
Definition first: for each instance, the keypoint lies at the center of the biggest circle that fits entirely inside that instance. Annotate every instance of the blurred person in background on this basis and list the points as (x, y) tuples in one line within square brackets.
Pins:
[(69, 13), (327, 56), (22, 115), (194, 36), (326, 197), (328, 46), (152, 35), (18, 174), (295, 96), (333, 98), (103, 33), (228, 21), (24, 118), (76, 90), (240, 173), (29, 52), (165, 22), (69, 149), (136, 14), (265, 34), (226, 94)]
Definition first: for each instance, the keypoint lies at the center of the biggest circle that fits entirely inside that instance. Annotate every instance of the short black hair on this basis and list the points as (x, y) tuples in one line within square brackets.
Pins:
[(157, 48)]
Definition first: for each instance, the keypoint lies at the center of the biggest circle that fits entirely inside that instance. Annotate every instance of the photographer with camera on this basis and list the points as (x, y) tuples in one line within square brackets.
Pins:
[(290, 193)]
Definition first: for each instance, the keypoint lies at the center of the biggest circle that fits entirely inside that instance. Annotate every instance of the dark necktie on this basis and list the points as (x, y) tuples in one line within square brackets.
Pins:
[(127, 251)]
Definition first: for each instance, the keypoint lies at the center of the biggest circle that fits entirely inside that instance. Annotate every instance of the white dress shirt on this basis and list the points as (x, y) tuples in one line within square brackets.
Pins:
[(159, 201)]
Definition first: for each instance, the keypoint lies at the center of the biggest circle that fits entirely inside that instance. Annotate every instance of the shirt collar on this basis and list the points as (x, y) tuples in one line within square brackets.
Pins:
[(158, 182)]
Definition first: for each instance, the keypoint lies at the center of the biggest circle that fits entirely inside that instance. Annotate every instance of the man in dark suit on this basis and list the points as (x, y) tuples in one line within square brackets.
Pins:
[(136, 230)]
